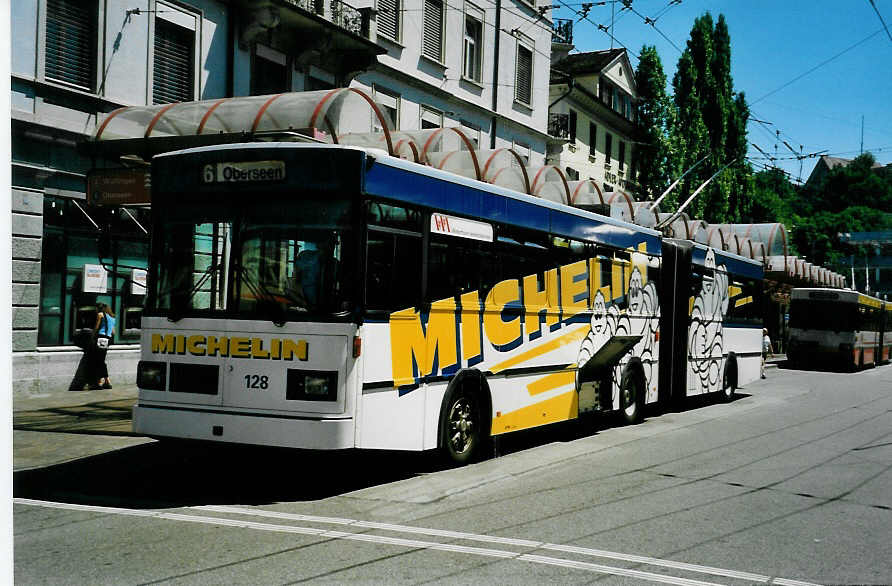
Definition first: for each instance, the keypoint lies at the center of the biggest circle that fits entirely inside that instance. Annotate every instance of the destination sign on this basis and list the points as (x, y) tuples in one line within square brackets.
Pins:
[(244, 172)]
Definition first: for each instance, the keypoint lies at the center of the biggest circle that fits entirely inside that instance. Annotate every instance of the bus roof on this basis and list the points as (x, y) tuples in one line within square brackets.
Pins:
[(846, 295)]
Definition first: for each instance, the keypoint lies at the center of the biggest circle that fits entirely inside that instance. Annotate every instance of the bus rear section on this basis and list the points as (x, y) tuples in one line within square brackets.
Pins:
[(835, 327), (250, 332)]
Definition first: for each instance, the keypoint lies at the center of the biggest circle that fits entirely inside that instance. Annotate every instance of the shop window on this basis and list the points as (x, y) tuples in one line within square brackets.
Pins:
[(67, 301)]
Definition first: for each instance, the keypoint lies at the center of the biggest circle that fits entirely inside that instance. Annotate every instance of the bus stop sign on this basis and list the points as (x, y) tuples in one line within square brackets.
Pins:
[(119, 187)]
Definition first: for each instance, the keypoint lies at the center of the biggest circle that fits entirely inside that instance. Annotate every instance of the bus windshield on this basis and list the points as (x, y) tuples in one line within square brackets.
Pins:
[(831, 316), (278, 260)]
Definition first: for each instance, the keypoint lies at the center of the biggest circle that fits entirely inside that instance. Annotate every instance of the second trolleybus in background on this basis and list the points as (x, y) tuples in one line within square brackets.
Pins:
[(841, 328), (328, 297)]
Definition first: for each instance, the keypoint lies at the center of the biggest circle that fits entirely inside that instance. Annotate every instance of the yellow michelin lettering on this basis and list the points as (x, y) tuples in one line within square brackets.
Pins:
[(217, 346), (470, 325), (195, 345), (536, 302), (238, 347), (162, 344), (290, 349), (573, 285), (499, 331), (410, 342)]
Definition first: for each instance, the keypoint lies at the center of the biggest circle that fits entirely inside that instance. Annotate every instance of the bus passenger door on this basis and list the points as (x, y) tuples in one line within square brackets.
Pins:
[(673, 287)]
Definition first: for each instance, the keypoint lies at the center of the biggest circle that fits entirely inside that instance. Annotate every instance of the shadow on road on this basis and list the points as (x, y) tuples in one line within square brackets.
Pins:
[(169, 474), (103, 417)]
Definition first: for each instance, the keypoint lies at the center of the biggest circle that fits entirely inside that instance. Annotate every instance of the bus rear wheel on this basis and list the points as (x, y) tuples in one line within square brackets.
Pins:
[(631, 398), (461, 428), (729, 381)]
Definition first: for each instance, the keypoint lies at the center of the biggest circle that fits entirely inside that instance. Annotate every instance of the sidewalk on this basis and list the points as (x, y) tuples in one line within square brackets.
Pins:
[(54, 428)]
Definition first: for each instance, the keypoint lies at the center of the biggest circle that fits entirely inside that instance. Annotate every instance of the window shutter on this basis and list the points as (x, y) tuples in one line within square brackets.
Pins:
[(174, 73), (389, 18), (71, 42), (524, 78), (432, 45)]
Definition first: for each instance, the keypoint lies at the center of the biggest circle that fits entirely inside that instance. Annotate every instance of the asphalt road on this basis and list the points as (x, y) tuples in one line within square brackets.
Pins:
[(790, 482)]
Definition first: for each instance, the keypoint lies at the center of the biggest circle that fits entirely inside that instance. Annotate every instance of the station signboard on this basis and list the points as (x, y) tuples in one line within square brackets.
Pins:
[(119, 187)]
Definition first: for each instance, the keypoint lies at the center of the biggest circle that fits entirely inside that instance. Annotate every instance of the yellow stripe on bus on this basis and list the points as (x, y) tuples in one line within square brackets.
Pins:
[(564, 340), (560, 408), (743, 301), (553, 381)]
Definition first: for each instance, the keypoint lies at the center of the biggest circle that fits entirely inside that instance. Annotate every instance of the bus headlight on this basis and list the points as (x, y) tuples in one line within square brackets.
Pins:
[(151, 375), (312, 385)]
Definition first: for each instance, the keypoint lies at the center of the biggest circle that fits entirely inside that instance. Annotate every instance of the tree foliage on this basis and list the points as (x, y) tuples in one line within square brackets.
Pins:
[(711, 122), (652, 151), (851, 198)]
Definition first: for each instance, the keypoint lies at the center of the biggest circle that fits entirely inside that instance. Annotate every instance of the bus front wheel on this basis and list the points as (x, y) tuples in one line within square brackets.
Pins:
[(462, 427)]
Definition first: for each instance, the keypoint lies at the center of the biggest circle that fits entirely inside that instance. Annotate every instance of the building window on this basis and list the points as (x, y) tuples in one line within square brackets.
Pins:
[(472, 57), (390, 108), (523, 150), (622, 155), (472, 131), (572, 124), (389, 19), (592, 137), (608, 149), (432, 39), (523, 75), (173, 66), (270, 72), (431, 118), (71, 33)]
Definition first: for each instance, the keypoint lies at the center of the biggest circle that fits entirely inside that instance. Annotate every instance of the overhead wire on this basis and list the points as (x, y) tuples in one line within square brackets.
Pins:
[(818, 66)]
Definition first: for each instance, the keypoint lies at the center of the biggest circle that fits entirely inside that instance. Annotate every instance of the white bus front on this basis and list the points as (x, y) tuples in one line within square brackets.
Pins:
[(249, 334)]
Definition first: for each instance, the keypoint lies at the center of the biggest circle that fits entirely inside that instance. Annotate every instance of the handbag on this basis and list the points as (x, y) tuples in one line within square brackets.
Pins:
[(101, 339)]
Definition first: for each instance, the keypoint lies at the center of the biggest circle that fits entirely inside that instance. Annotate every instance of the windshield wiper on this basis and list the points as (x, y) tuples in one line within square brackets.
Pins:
[(176, 312), (265, 298)]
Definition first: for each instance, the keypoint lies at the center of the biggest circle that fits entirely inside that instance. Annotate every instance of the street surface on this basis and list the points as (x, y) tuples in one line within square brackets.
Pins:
[(790, 483)]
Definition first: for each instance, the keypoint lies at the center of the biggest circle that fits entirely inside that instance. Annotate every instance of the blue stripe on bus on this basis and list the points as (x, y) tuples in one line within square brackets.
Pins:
[(433, 192)]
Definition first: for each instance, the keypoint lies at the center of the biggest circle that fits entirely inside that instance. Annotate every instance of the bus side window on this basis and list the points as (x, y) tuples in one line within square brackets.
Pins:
[(393, 270)]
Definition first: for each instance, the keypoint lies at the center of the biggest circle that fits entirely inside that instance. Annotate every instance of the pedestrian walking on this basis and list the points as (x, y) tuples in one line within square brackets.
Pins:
[(104, 330), (767, 348)]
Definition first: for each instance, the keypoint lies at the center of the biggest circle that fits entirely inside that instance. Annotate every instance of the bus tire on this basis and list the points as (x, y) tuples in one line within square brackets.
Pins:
[(631, 396), (729, 379), (463, 433)]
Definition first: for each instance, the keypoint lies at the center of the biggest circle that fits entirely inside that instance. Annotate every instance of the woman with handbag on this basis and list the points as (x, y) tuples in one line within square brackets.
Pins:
[(104, 330)]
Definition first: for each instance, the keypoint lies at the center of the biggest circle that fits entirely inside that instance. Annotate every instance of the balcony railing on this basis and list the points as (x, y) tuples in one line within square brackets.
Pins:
[(559, 126), (562, 31), (340, 13)]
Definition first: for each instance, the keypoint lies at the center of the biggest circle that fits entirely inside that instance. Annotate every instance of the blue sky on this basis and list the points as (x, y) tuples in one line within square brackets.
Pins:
[(773, 43)]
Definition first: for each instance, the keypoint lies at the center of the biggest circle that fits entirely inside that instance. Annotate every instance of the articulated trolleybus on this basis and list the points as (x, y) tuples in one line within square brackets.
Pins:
[(329, 297), (837, 327)]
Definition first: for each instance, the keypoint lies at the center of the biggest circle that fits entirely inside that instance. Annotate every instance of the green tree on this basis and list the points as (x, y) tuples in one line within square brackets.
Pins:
[(652, 150), (711, 120)]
